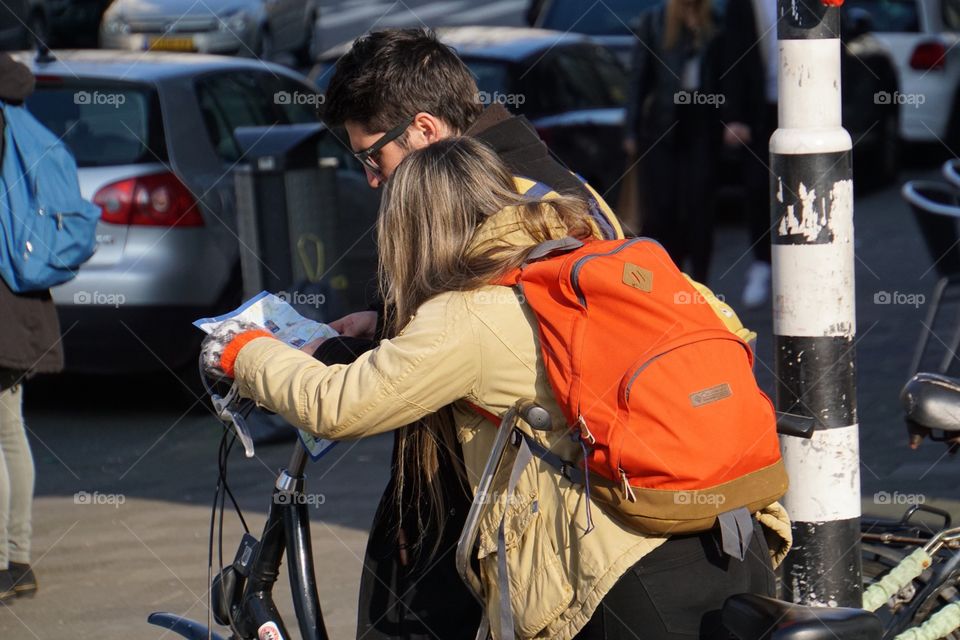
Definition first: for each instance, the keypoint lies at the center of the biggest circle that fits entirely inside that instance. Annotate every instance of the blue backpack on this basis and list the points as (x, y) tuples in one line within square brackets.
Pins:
[(47, 230)]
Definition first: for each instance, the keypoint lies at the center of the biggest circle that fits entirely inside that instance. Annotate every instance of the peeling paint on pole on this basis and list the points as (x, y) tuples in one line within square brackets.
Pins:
[(811, 208)]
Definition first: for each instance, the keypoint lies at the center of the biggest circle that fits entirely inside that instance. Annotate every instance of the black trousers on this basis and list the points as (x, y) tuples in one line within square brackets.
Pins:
[(405, 596), (677, 591), (756, 184)]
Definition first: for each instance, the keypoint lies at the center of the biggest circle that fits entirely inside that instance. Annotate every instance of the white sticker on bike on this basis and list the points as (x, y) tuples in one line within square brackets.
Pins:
[(269, 631)]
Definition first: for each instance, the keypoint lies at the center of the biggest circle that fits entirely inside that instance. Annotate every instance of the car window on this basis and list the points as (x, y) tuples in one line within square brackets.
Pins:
[(573, 78), (228, 101), (895, 16), (544, 89), (611, 74), (610, 17), (296, 102), (102, 124), (494, 83), (235, 99)]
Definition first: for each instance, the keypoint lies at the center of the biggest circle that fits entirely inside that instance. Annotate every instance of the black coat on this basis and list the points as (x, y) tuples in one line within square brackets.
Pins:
[(744, 76), (656, 72), (29, 329)]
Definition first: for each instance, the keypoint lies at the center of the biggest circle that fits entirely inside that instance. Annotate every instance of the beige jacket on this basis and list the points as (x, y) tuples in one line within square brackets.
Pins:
[(481, 347)]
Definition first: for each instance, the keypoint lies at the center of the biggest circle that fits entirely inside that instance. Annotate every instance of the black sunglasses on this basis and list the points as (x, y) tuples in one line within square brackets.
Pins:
[(366, 155)]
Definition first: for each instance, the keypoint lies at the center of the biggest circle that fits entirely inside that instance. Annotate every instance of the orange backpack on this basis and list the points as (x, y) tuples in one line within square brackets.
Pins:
[(676, 432)]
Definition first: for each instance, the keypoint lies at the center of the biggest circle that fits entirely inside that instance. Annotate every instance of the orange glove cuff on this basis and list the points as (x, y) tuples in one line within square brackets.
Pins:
[(230, 352)]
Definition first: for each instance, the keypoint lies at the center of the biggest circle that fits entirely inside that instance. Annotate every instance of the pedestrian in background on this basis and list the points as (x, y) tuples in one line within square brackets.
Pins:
[(673, 126), (750, 113), (29, 344)]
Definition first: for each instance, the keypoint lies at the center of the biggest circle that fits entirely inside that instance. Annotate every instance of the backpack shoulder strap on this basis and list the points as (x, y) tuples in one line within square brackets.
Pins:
[(542, 250)]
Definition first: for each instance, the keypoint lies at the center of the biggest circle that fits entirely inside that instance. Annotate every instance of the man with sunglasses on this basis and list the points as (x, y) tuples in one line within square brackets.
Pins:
[(396, 91)]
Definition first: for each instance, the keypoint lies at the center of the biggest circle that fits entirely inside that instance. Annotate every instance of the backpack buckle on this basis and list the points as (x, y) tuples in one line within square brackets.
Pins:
[(627, 489), (585, 431)]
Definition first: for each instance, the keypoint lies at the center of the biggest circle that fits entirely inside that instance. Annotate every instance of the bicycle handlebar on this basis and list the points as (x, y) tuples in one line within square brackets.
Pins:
[(792, 424)]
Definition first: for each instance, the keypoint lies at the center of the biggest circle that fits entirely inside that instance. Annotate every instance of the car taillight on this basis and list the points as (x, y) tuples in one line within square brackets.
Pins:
[(158, 200), (49, 80), (929, 56)]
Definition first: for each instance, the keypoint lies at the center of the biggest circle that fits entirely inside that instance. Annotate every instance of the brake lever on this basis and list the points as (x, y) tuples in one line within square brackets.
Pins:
[(231, 415)]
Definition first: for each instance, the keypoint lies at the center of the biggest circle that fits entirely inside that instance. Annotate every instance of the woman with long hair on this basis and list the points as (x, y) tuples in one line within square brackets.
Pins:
[(673, 128), (451, 223)]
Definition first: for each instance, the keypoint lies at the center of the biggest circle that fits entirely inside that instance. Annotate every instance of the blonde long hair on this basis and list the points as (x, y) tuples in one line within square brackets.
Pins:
[(674, 22), (433, 207)]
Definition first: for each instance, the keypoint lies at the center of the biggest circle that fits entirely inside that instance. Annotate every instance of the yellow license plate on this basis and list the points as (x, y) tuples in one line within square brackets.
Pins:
[(166, 43)]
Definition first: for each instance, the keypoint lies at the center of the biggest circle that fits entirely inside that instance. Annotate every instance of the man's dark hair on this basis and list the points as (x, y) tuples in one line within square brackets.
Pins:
[(388, 76)]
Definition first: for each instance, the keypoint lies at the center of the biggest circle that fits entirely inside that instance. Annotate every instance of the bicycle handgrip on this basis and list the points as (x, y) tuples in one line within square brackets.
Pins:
[(791, 424)]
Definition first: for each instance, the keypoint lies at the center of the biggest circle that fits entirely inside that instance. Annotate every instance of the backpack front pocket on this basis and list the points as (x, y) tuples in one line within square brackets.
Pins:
[(540, 590)]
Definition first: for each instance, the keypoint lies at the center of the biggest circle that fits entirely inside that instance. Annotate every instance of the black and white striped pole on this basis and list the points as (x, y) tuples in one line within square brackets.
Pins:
[(813, 306)]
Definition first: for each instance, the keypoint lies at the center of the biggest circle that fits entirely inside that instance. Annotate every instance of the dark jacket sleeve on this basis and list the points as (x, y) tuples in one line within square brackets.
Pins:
[(641, 70), (742, 73), (16, 80)]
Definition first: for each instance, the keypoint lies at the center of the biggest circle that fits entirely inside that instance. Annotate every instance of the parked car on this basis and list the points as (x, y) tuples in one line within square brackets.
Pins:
[(611, 22), (922, 37), (260, 28), (13, 21), (869, 85), (569, 87), (65, 23), (153, 138), (869, 79)]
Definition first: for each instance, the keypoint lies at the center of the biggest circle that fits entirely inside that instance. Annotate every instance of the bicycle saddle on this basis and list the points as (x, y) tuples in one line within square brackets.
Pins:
[(932, 400), (752, 617)]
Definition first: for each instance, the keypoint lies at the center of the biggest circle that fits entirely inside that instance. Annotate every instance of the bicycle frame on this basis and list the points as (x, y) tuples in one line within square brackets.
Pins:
[(244, 600), (943, 572)]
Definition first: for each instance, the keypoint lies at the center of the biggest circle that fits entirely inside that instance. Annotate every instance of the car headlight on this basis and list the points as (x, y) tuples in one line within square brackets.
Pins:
[(236, 22)]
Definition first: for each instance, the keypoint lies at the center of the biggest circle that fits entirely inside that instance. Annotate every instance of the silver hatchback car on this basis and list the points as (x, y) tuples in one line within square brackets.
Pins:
[(153, 138), (255, 28)]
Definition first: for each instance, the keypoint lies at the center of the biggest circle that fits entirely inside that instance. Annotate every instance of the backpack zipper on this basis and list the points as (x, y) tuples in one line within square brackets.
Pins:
[(640, 369), (633, 378), (579, 264)]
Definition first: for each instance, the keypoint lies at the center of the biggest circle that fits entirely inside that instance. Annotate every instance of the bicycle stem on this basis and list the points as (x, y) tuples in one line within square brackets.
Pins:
[(298, 461)]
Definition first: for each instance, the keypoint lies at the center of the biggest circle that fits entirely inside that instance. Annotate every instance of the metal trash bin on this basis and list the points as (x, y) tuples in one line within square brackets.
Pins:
[(287, 202), (286, 217)]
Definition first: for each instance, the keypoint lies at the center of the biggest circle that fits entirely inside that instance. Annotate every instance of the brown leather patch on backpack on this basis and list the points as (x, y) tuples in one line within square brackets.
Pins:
[(637, 277), (706, 396)]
